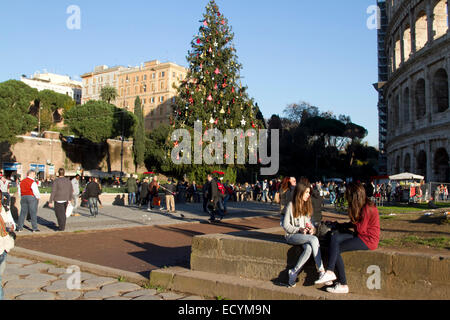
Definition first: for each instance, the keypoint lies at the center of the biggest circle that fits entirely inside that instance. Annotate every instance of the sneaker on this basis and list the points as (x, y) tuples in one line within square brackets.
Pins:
[(292, 279), (326, 277), (37, 230), (329, 283), (338, 288)]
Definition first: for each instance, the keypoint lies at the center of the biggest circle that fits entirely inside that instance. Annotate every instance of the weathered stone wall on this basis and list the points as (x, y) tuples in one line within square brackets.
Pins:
[(264, 255), (70, 156)]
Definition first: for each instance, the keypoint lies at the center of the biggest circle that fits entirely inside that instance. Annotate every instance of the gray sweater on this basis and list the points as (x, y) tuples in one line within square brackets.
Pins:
[(293, 225), (62, 190)]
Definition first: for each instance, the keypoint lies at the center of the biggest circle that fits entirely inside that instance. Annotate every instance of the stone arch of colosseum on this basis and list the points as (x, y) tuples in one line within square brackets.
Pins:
[(440, 91)]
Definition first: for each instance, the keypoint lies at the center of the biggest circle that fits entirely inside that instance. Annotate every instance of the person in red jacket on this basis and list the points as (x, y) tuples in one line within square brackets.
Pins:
[(365, 221)]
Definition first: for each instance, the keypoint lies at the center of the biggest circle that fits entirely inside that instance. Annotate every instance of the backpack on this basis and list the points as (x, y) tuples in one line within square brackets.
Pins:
[(221, 188)]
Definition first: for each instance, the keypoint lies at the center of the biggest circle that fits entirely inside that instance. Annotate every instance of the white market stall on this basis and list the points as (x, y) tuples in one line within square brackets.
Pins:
[(408, 187)]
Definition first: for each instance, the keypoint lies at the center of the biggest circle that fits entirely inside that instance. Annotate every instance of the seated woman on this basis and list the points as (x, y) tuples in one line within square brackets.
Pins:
[(365, 221), (300, 231)]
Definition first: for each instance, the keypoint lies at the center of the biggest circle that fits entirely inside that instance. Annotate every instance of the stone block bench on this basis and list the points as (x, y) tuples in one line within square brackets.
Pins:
[(262, 257)]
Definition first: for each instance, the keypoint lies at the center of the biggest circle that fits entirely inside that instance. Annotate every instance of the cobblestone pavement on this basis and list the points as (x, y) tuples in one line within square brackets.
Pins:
[(25, 279)]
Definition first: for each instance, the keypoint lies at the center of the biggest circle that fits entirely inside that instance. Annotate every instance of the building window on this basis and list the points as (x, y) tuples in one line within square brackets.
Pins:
[(145, 88), (161, 99), (163, 74), (145, 77), (153, 100), (440, 21), (420, 98), (421, 30), (153, 75), (440, 91)]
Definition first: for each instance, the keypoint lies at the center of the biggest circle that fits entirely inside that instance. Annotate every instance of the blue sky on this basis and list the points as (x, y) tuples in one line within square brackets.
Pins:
[(292, 50)]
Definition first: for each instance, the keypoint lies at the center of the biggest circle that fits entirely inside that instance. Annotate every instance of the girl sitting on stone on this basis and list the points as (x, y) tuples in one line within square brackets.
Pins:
[(300, 231)]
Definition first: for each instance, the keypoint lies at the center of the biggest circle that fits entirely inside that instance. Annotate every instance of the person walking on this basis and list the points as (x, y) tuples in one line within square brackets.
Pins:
[(62, 193), (93, 191), (169, 192), (215, 201), (153, 193), (332, 190), (365, 221), (76, 192), (286, 193), (29, 201), (132, 188), (4, 188), (144, 192), (206, 189), (300, 231)]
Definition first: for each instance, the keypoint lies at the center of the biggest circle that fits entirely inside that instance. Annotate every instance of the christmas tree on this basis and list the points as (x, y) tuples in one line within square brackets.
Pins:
[(212, 92)]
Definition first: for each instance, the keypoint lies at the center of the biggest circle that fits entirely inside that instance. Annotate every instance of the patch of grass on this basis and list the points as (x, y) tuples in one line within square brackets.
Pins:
[(50, 262), (440, 242), (399, 209), (79, 231), (150, 286), (121, 279), (220, 298)]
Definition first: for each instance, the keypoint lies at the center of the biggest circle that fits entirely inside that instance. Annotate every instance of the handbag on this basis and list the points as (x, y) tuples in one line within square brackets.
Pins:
[(69, 209), (7, 242), (7, 217)]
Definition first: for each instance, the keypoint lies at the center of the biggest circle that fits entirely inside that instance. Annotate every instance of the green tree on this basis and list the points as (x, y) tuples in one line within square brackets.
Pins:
[(98, 121), (212, 93), (15, 100), (109, 94), (139, 135), (54, 100)]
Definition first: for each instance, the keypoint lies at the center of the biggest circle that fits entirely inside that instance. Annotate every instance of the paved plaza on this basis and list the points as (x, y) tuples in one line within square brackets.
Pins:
[(25, 279), (110, 236), (127, 217)]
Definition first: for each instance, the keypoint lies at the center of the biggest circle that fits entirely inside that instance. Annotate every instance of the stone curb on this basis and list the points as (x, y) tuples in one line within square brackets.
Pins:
[(84, 266)]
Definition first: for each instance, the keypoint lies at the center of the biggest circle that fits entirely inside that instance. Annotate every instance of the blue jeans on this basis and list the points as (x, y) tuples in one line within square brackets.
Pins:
[(342, 242), (264, 196), (2, 269), (93, 206), (131, 198), (310, 245), (227, 197), (332, 197), (29, 204)]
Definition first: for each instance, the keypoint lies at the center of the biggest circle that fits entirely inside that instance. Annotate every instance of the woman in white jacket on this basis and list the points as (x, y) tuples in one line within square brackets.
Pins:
[(300, 231)]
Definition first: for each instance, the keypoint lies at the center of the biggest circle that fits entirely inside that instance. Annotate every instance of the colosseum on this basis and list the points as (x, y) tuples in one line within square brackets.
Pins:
[(417, 45)]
